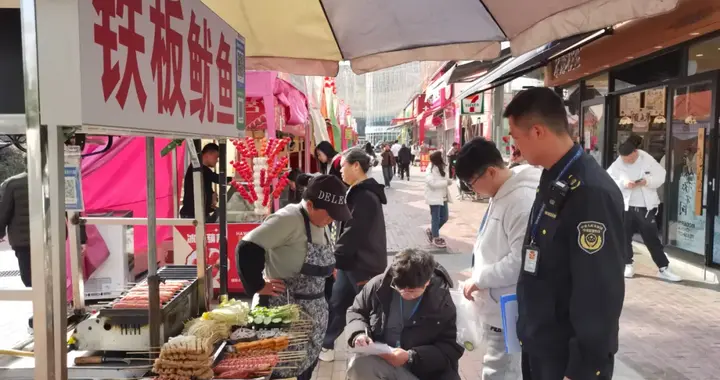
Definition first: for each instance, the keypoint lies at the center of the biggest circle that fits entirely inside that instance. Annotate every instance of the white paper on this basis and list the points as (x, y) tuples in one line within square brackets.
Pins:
[(372, 349)]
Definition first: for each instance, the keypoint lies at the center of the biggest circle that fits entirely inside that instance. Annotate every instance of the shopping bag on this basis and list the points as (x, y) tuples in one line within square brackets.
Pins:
[(470, 331), (509, 310)]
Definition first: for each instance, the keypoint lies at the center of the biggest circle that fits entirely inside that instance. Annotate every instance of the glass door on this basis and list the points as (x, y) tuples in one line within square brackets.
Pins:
[(592, 117), (688, 186)]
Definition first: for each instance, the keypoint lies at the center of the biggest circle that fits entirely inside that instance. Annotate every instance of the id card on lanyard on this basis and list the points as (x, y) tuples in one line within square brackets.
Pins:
[(402, 317), (531, 252)]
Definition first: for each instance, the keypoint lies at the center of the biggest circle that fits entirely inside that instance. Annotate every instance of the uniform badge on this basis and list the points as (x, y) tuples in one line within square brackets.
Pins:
[(591, 236)]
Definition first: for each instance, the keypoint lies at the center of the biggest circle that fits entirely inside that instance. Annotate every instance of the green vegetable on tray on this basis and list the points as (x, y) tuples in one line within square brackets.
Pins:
[(264, 316)]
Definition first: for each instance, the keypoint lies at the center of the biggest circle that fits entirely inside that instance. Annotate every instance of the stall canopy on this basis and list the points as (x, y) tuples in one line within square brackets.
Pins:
[(309, 37)]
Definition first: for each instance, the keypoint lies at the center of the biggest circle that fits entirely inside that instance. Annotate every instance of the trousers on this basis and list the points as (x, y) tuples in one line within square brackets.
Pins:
[(498, 364), (387, 174), (553, 368), (375, 368), (439, 215), (343, 294), (642, 220)]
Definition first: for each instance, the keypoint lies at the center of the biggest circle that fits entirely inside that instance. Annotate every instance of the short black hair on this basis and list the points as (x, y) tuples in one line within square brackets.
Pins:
[(540, 105), (635, 139), (358, 155), (627, 148), (210, 148), (293, 175), (412, 269), (476, 156)]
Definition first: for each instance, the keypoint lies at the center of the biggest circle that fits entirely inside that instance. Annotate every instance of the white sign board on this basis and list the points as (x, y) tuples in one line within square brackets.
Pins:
[(158, 65)]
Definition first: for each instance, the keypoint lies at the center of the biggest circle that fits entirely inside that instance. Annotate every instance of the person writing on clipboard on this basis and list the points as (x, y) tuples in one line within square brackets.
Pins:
[(571, 286), (410, 309)]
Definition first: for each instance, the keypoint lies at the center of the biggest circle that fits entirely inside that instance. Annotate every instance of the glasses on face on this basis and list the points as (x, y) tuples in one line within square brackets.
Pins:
[(470, 184), (408, 291)]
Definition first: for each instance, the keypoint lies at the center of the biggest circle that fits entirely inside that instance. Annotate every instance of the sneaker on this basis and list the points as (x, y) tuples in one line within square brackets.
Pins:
[(629, 271), (327, 355), (667, 275), (439, 242)]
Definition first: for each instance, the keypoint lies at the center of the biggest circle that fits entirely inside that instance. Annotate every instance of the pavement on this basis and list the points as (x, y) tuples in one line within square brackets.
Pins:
[(667, 331)]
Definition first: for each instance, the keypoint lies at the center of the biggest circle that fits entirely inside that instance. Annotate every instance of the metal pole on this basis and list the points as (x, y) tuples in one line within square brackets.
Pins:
[(153, 279), (200, 242), (222, 209), (76, 264), (176, 200), (47, 237)]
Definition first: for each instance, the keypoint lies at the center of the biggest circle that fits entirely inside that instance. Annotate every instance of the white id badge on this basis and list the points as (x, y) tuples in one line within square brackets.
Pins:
[(531, 259)]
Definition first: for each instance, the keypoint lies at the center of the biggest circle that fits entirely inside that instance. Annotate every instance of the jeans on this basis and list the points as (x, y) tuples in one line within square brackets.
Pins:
[(439, 215), (640, 219), (387, 175), (343, 294)]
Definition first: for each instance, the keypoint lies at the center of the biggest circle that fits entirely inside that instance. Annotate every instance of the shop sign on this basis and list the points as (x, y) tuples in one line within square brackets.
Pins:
[(73, 180), (567, 63), (147, 63), (240, 82), (473, 104), (255, 114), (184, 252)]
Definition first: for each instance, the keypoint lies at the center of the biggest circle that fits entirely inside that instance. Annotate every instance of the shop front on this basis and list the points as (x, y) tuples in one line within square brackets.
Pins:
[(656, 78)]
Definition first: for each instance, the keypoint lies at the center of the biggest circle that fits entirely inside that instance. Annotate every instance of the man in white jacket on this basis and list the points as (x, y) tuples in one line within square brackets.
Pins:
[(639, 176), (497, 251)]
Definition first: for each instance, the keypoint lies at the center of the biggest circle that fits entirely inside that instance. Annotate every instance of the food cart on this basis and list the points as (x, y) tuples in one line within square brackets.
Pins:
[(153, 69)]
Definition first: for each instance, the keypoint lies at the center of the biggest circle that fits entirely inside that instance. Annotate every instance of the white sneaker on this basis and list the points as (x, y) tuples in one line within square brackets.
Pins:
[(327, 355), (667, 275), (629, 271)]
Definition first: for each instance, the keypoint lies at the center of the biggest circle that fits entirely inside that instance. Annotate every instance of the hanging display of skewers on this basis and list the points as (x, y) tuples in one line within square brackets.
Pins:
[(260, 171)]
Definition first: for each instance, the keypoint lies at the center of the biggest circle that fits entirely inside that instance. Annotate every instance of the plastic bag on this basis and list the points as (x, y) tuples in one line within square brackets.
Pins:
[(470, 330)]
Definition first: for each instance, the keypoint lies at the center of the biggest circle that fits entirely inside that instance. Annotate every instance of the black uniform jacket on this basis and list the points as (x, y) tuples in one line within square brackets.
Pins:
[(570, 307)]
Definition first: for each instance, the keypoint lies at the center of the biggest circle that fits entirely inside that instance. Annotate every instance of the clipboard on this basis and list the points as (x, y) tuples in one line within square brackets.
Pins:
[(509, 312)]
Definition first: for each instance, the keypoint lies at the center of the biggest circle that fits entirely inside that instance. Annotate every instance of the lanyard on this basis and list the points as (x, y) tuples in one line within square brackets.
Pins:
[(536, 219)]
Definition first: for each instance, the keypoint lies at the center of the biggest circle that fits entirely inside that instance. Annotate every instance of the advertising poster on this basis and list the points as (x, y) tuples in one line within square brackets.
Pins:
[(185, 250)]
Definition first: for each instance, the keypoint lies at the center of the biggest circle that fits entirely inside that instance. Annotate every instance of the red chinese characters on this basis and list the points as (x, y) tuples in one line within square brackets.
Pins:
[(201, 57), (224, 81), (126, 36), (167, 56)]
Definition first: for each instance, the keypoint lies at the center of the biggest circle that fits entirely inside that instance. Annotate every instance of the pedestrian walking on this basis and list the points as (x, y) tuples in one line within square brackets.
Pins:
[(288, 257), (498, 247), (410, 309), (361, 249), (437, 197), (15, 222), (387, 163), (395, 148), (404, 160), (571, 287), (414, 153), (452, 157), (638, 176)]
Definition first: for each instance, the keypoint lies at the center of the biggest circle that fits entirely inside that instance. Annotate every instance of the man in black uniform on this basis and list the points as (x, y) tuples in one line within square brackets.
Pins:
[(571, 286), (208, 159)]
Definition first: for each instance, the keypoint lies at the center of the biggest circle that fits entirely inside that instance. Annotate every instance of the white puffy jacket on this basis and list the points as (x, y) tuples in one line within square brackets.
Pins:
[(498, 247), (651, 171), (436, 187)]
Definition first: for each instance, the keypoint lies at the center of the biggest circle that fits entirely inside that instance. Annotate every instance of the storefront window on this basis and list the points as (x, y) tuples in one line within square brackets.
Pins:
[(596, 87), (704, 56), (686, 191), (571, 97), (642, 113)]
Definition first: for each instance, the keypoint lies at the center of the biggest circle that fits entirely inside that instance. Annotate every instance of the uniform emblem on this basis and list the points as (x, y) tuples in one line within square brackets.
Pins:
[(591, 236)]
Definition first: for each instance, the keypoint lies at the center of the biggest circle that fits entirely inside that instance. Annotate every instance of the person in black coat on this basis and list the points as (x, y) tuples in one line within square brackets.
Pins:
[(404, 160), (360, 250), (409, 307)]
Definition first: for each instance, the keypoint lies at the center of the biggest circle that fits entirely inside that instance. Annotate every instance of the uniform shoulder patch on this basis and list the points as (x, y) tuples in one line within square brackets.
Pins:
[(591, 236), (574, 183)]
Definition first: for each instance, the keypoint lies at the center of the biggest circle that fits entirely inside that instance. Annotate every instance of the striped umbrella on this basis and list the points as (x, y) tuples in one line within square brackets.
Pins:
[(310, 37)]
